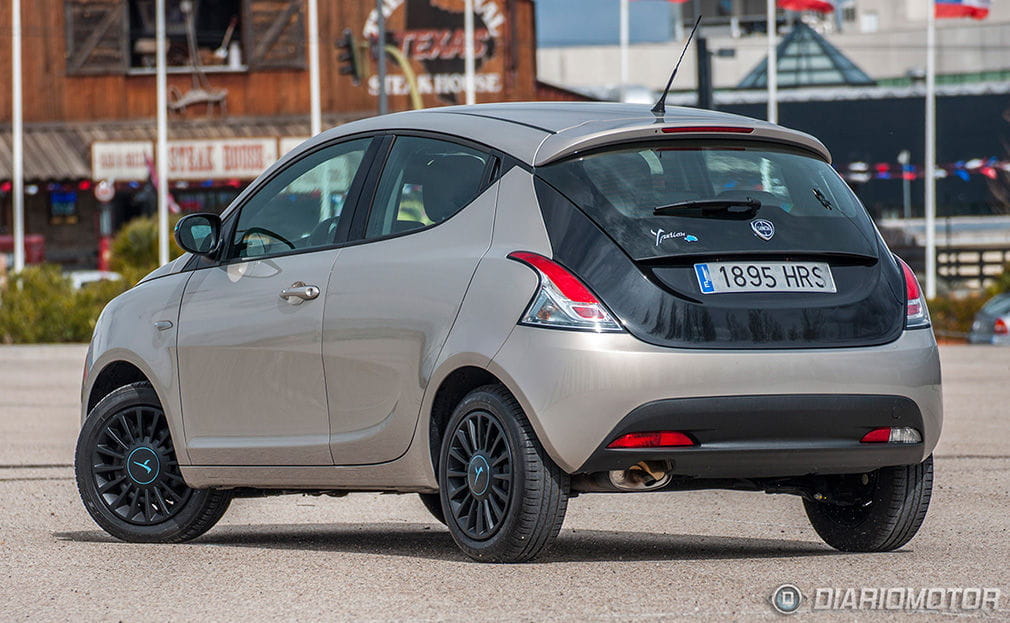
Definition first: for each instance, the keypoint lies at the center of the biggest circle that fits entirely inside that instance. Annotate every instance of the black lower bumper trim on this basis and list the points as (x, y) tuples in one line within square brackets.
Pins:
[(768, 435)]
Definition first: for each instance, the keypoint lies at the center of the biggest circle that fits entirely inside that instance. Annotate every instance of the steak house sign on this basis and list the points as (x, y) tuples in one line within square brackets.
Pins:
[(240, 158), (430, 35)]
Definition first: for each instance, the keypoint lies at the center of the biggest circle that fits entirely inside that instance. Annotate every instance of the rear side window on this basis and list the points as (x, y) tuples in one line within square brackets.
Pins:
[(809, 207), (424, 182)]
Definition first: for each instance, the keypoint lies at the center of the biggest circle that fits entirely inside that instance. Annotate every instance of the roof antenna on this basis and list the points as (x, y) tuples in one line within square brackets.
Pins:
[(660, 108)]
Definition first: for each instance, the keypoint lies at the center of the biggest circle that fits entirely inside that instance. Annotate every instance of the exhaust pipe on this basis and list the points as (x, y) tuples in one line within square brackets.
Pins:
[(642, 476)]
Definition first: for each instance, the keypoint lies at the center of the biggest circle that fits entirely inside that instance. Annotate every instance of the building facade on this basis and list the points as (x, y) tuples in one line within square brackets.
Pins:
[(238, 95), (886, 38)]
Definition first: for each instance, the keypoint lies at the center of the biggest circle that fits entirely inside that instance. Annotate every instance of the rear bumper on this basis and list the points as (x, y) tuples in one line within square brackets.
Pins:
[(768, 436), (778, 412)]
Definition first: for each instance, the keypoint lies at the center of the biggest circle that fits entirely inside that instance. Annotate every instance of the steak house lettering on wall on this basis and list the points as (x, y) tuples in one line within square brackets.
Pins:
[(430, 35)]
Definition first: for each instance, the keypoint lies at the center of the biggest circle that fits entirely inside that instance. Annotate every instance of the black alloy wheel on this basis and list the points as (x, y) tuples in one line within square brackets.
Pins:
[(479, 475), (129, 477), (134, 468), (503, 498)]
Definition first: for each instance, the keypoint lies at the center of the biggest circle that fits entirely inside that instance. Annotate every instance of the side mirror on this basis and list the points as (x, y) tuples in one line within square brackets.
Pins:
[(199, 233)]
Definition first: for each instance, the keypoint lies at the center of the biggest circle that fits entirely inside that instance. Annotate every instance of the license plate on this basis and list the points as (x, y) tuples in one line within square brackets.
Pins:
[(720, 277)]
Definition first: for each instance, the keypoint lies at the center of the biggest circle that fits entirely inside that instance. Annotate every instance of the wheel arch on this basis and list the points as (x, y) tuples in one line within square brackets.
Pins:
[(457, 383), (119, 367), (451, 390), (114, 375)]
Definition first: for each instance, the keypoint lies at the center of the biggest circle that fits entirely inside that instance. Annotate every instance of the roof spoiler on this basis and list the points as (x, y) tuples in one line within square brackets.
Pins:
[(564, 144)]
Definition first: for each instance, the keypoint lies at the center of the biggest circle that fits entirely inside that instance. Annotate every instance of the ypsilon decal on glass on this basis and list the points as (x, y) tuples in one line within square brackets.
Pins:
[(661, 235)]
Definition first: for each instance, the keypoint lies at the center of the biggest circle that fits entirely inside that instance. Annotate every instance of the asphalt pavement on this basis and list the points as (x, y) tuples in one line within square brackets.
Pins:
[(699, 556)]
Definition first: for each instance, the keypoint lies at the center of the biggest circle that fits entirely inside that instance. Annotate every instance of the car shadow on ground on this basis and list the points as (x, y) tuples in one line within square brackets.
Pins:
[(434, 542)]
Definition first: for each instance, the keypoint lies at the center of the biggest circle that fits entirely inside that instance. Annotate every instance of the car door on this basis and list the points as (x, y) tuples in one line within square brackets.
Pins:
[(250, 328), (395, 296)]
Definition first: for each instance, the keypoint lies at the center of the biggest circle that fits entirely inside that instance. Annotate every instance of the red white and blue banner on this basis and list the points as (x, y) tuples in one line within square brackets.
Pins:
[(975, 9), (820, 6)]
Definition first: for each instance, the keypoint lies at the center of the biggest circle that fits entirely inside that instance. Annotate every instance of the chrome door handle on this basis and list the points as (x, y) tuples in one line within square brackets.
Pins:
[(299, 292)]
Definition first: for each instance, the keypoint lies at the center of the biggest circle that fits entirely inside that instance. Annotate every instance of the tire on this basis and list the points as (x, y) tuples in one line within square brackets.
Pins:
[(503, 498), (433, 503), (892, 511), (124, 435)]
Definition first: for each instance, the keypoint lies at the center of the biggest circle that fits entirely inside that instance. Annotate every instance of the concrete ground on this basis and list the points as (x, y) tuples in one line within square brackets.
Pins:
[(700, 556)]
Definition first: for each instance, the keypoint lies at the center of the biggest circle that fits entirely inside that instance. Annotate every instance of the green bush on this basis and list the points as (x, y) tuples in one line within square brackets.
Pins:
[(1002, 283), (952, 317), (134, 250), (39, 305)]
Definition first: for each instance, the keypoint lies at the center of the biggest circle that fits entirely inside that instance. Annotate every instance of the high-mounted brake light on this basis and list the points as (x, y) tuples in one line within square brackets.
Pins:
[(999, 327), (657, 439), (916, 312), (707, 129), (896, 434), (562, 300)]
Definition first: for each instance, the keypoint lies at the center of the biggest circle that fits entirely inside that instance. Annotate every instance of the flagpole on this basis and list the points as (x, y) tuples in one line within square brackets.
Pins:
[(162, 154), (624, 48), (930, 208), (17, 137), (315, 107), (772, 73), (469, 62)]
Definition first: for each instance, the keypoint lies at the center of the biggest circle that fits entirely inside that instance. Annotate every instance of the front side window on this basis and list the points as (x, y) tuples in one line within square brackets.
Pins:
[(301, 208), (424, 182)]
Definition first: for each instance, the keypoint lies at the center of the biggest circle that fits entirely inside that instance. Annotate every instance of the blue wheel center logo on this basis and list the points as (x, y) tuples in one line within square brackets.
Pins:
[(479, 475), (143, 465)]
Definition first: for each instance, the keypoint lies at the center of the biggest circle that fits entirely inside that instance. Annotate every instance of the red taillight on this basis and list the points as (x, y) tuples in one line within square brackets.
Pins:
[(916, 315), (877, 435), (563, 300), (658, 439), (567, 283), (1000, 327), (708, 129)]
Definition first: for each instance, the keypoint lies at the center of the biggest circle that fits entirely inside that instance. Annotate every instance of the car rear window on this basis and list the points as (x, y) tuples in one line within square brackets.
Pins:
[(997, 306), (809, 207)]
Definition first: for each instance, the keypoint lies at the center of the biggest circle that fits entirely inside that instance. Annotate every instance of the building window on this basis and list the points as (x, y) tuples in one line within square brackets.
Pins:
[(207, 29), (116, 36)]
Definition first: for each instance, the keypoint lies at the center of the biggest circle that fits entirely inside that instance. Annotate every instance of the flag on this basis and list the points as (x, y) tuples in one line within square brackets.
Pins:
[(975, 9), (152, 174), (821, 6)]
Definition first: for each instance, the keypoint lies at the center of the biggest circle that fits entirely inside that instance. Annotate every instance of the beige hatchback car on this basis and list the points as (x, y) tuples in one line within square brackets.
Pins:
[(499, 307)]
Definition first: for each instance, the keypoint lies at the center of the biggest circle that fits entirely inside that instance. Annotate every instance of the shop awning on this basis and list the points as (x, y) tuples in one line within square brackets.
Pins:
[(60, 151)]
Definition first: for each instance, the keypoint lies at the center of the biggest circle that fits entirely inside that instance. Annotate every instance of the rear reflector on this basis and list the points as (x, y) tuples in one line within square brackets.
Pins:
[(710, 129), (658, 439), (902, 434)]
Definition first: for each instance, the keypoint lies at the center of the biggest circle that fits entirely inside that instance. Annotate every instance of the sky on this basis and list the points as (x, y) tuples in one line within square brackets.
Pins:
[(581, 22)]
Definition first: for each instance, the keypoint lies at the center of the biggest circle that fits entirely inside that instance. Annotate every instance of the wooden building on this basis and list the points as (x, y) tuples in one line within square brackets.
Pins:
[(238, 93)]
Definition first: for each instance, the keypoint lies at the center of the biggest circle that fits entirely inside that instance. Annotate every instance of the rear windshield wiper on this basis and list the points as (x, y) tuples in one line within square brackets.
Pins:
[(752, 205)]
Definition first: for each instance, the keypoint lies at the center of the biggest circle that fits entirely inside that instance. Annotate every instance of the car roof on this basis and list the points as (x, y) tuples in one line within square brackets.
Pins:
[(538, 133)]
